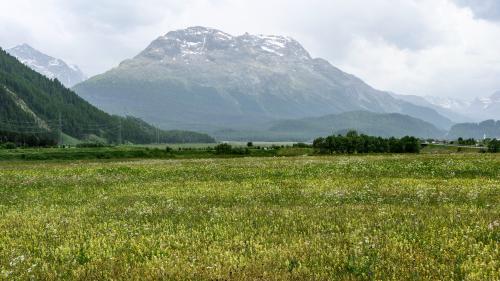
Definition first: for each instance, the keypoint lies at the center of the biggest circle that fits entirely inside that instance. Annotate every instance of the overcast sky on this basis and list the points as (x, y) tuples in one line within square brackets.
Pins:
[(448, 48)]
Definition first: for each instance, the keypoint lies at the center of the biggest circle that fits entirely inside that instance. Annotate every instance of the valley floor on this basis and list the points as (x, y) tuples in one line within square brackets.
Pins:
[(405, 217)]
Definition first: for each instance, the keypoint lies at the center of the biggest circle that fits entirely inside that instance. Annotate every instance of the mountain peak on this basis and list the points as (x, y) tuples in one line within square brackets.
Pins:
[(26, 50), (46, 65), (198, 33), (24, 46), (197, 41)]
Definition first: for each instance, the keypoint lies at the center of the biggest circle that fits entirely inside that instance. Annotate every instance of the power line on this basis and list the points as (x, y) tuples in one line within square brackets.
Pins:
[(120, 131), (60, 131)]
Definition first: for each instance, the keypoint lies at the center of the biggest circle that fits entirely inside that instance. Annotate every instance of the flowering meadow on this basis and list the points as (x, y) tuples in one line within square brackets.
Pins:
[(390, 217)]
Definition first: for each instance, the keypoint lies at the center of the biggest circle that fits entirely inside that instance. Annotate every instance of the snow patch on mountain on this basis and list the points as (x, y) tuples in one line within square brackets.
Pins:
[(193, 42), (478, 109), (68, 75), (448, 103)]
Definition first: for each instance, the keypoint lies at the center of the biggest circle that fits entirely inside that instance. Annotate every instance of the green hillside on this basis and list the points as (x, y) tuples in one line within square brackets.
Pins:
[(35, 106), (376, 124), (488, 129)]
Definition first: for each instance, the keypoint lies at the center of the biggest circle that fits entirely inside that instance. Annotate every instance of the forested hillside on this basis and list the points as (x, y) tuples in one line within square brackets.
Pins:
[(375, 124), (33, 105), (488, 129)]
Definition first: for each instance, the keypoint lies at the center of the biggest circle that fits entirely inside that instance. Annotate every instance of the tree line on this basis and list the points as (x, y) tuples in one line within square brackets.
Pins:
[(13, 140), (353, 142)]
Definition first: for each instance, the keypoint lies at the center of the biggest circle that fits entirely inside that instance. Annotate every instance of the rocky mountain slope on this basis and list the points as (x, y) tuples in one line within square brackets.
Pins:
[(205, 79), (67, 74)]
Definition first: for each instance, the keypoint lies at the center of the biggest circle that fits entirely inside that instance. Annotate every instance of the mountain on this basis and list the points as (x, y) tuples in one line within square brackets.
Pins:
[(375, 124), (32, 105), (485, 129), (67, 74), (205, 79), (452, 104), (476, 110), (486, 108), (449, 108)]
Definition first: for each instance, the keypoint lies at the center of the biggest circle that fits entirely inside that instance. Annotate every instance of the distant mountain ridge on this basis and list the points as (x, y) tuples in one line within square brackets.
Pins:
[(487, 108), (67, 74), (485, 129), (375, 124), (476, 110), (205, 79), (445, 107)]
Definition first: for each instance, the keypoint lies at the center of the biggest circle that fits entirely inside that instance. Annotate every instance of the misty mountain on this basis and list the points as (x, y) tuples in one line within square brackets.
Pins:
[(452, 104), (205, 79), (475, 110), (486, 108), (67, 74), (306, 129), (449, 108), (375, 124)]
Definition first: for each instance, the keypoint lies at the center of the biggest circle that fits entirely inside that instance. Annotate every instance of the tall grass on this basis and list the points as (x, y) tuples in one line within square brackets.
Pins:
[(407, 217)]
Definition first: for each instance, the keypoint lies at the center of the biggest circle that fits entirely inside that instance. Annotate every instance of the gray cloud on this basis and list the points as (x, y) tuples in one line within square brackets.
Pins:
[(438, 47), (485, 9)]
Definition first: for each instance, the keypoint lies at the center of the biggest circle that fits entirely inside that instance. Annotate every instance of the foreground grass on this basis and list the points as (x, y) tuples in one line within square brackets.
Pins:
[(408, 217)]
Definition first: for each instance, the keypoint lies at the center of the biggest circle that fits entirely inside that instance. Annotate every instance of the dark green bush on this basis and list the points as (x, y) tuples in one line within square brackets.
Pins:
[(8, 145), (91, 145), (227, 149), (354, 143), (494, 146)]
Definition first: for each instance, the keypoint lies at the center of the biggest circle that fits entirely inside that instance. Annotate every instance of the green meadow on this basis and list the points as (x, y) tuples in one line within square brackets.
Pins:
[(374, 217)]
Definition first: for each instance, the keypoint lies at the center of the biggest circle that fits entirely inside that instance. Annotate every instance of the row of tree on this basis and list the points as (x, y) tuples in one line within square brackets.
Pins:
[(353, 142), (13, 140), (470, 141)]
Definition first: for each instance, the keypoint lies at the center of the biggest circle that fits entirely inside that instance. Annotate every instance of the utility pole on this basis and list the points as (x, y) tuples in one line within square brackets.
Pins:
[(120, 131), (157, 135), (61, 141)]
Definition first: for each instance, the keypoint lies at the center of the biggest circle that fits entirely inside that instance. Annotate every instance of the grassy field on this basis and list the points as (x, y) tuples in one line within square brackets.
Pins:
[(406, 217), (447, 149)]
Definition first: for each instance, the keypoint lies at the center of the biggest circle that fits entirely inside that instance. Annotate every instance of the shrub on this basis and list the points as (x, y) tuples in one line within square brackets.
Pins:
[(301, 145), (227, 149), (91, 145), (8, 145), (494, 146), (223, 148)]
